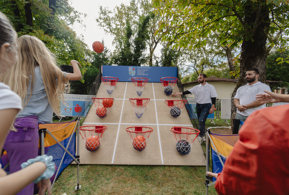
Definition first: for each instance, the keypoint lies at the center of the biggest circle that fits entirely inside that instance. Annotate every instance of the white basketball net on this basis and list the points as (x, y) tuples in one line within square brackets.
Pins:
[(109, 88), (139, 89), (139, 111)]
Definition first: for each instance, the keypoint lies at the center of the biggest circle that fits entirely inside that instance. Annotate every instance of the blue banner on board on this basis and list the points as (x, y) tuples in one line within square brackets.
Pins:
[(125, 73)]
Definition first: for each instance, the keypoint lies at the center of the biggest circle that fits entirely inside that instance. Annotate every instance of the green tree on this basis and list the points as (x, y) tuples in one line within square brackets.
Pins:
[(255, 24), (169, 57), (245, 22), (277, 71), (133, 54), (113, 22), (50, 21), (98, 59)]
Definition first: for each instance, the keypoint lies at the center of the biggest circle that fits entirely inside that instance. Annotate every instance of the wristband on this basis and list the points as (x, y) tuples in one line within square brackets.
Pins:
[(50, 166)]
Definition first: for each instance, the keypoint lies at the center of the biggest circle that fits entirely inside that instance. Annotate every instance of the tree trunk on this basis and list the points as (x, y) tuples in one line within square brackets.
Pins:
[(18, 25), (230, 60), (28, 14), (253, 53), (52, 6)]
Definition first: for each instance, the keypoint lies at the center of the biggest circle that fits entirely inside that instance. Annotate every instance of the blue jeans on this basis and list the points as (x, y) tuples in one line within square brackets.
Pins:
[(202, 112)]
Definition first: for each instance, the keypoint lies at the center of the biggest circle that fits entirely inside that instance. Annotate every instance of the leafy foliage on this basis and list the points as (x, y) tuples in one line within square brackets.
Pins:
[(49, 20), (133, 54), (187, 24), (278, 71), (113, 22), (98, 60)]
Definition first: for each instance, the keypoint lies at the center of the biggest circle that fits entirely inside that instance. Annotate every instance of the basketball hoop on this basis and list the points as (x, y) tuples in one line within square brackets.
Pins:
[(109, 83), (102, 105), (169, 83), (175, 106), (139, 136), (184, 137), (139, 83), (92, 135), (139, 105)]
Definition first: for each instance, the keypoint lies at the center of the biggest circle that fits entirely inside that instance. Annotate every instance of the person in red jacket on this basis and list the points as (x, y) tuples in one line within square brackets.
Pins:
[(259, 161)]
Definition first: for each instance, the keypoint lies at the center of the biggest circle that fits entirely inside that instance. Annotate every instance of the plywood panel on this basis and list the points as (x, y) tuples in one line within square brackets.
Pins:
[(164, 116), (160, 94), (131, 91), (171, 155), (148, 117), (118, 91), (161, 147), (103, 155), (126, 154), (113, 114)]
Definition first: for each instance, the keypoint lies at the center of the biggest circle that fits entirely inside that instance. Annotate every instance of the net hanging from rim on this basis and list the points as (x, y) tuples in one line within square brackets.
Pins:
[(184, 137), (139, 105), (110, 83), (92, 135), (169, 81), (139, 136), (175, 103), (185, 133), (102, 105), (139, 83)]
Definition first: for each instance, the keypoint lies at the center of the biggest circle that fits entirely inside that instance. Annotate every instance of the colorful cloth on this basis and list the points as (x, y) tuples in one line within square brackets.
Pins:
[(258, 163)]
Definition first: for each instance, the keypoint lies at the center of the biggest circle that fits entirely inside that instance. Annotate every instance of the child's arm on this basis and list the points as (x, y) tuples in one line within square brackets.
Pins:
[(76, 75), (15, 182)]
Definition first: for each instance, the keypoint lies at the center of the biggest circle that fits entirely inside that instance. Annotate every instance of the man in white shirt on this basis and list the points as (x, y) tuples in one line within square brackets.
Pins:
[(245, 98), (205, 95)]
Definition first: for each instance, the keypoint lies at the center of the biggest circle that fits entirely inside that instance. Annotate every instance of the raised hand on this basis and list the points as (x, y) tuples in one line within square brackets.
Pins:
[(268, 97)]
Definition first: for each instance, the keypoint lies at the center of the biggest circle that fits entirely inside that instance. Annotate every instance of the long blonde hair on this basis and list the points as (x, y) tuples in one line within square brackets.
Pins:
[(32, 52)]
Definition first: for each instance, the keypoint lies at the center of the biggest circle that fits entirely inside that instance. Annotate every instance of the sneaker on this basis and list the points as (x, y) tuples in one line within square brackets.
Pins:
[(204, 138), (200, 139)]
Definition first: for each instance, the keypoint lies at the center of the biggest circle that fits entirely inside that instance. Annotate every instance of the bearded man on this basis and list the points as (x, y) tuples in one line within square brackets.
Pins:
[(245, 98)]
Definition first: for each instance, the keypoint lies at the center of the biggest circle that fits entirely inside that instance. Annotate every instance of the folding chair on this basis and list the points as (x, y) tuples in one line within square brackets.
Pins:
[(61, 141), (220, 147)]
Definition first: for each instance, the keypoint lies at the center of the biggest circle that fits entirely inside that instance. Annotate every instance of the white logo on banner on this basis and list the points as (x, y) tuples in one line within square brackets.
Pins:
[(131, 71)]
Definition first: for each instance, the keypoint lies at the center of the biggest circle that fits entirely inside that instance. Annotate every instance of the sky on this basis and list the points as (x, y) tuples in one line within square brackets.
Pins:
[(92, 32)]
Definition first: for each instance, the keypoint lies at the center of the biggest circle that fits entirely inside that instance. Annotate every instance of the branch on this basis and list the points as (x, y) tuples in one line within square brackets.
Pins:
[(237, 15), (257, 19)]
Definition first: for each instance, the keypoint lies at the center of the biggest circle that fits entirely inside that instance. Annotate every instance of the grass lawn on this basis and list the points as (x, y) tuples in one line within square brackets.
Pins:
[(106, 179)]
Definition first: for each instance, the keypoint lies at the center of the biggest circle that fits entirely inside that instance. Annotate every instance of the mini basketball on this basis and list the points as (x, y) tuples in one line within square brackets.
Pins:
[(175, 111), (139, 143), (183, 147), (92, 143), (101, 111), (107, 103), (97, 47), (168, 90)]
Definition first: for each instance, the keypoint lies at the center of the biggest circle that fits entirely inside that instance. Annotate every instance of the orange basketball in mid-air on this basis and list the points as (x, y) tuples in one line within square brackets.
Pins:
[(107, 103), (101, 111), (92, 143), (139, 143), (97, 46)]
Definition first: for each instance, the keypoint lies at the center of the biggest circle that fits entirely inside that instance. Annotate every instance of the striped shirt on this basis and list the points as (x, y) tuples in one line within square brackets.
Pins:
[(247, 94), (204, 93)]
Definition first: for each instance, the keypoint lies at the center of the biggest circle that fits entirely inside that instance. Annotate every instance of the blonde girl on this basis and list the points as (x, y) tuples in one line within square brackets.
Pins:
[(10, 105), (40, 84)]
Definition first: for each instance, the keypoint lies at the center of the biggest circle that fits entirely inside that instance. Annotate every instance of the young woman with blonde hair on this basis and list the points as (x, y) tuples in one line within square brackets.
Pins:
[(40, 83), (10, 104)]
